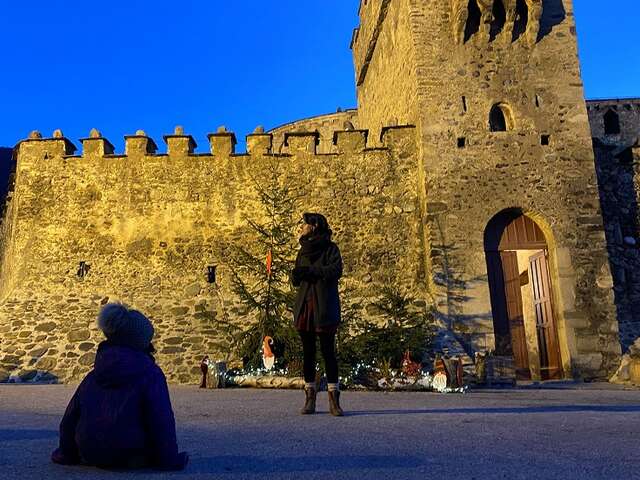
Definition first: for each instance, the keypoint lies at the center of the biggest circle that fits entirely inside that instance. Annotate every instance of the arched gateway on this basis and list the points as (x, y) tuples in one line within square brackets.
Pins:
[(521, 289)]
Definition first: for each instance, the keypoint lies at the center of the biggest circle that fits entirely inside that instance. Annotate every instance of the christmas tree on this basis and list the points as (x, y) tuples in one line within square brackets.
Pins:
[(260, 271)]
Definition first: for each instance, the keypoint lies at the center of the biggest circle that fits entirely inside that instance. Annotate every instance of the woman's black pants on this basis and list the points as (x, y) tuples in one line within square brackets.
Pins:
[(328, 349)]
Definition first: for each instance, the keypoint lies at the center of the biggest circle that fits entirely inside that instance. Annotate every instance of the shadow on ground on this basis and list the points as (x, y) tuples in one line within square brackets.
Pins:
[(14, 434), (506, 410)]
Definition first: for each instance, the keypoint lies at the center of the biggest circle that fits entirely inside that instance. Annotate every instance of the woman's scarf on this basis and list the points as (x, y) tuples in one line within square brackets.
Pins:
[(313, 246)]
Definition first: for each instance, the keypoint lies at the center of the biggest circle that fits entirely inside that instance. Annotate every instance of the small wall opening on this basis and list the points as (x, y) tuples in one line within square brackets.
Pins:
[(545, 140), (473, 21), (499, 19), (462, 142), (464, 104), (500, 118), (611, 123)]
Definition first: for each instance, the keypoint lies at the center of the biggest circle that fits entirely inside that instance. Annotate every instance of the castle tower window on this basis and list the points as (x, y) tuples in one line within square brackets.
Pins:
[(500, 118), (522, 18), (611, 123), (499, 19), (473, 20)]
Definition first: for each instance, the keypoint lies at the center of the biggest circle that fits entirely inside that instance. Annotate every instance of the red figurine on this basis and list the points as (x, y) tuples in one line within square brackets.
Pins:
[(409, 367)]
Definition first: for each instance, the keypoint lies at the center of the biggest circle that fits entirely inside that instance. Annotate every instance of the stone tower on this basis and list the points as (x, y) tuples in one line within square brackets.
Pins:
[(511, 223)]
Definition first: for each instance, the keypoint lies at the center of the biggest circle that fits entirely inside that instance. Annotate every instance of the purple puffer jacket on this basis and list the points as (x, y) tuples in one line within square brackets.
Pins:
[(120, 415)]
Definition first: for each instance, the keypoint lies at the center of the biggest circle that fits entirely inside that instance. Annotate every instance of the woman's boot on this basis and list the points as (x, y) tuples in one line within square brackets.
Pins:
[(334, 403), (310, 401)]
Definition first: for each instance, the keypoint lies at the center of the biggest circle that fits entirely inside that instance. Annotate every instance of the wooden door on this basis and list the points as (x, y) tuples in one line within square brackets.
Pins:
[(548, 346), (515, 313)]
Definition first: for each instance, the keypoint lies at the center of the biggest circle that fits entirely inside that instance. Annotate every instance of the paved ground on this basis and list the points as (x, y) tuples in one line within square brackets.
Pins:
[(588, 432)]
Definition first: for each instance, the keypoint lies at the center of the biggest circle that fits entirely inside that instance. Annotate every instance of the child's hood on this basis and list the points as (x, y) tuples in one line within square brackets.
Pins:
[(117, 365)]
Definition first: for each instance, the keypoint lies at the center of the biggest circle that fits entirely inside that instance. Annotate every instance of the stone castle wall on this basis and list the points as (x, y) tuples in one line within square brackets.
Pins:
[(428, 196), (618, 180), (617, 167), (325, 125), (543, 164), (628, 112), (385, 66), (149, 225)]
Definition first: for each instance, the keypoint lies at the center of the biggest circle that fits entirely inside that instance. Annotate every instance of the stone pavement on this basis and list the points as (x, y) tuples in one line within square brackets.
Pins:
[(571, 432)]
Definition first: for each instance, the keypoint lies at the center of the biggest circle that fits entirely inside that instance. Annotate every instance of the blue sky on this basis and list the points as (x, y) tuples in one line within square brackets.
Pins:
[(123, 65)]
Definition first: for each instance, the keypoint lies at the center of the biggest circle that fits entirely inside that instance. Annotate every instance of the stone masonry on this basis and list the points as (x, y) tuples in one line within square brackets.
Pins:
[(445, 67), (148, 225), (467, 110), (615, 126)]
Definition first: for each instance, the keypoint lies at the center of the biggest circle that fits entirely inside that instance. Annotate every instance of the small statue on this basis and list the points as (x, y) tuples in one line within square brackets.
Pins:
[(204, 368), (268, 358), (440, 375), (481, 367), (533, 25), (459, 373), (459, 18), (409, 367)]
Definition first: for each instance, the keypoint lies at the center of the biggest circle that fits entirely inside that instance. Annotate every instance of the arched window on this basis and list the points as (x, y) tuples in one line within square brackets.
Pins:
[(500, 118), (611, 123)]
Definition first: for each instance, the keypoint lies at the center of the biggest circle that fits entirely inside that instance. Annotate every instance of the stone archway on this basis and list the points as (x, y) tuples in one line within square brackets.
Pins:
[(521, 290)]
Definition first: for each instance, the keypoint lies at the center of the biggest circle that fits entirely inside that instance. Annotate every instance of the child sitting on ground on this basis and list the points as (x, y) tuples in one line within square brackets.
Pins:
[(120, 415)]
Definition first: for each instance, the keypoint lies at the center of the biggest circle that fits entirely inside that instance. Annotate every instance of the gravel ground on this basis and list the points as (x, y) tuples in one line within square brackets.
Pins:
[(564, 432)]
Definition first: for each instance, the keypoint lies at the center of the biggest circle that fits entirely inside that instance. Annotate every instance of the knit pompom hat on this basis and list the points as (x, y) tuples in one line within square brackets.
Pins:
[(125, 326)]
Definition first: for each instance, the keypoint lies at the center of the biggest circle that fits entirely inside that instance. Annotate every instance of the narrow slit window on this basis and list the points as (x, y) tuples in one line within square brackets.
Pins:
[(464, 104), (611, 123)]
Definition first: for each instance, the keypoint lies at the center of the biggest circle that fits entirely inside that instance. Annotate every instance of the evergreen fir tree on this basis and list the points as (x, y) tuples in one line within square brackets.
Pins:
[(260, 271)]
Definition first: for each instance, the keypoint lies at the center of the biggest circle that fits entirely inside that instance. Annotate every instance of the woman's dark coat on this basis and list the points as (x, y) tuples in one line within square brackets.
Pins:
[(323, 274), (121, 415)]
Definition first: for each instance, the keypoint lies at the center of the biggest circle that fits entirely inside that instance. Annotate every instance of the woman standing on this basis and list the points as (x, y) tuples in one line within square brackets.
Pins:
[(317, 306)]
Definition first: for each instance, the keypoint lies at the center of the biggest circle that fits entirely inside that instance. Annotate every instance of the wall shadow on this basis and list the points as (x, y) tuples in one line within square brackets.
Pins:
[(7, 169), (447, 275)]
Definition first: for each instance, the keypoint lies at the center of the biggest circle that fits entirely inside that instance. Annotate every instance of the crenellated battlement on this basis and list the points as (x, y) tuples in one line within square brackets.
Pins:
[(144, 226), (222, 143)]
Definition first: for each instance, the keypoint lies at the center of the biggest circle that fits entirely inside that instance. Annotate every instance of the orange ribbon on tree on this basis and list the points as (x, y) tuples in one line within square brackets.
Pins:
[(269, 261)]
